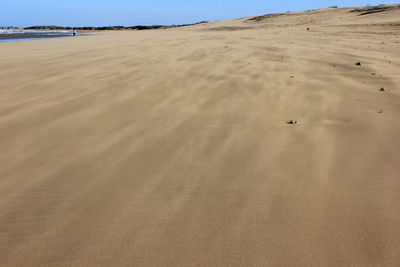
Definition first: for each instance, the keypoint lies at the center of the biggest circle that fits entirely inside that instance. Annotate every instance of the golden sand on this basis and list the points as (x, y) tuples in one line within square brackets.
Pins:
[(172, 147)]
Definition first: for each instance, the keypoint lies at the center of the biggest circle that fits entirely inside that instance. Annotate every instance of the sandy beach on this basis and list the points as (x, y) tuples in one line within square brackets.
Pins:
[(172, 147)]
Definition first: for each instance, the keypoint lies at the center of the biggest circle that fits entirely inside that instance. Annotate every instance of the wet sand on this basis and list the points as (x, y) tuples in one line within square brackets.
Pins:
[(173, 148)]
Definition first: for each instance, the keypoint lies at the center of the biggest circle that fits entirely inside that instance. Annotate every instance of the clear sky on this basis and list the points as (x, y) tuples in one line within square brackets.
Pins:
[(149, 12)]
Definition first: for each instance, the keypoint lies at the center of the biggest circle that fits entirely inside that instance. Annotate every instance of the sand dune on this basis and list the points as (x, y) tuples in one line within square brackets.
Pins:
[(172, 148)]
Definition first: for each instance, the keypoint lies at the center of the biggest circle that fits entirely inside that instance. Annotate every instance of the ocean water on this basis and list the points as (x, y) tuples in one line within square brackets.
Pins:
[(44, 32), (16, 35), (25, 39)]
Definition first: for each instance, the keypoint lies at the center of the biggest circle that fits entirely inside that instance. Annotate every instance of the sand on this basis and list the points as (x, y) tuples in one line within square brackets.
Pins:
[(172, 147)]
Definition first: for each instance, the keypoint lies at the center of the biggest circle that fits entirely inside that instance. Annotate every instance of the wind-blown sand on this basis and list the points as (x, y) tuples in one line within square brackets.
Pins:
[(172, 148)]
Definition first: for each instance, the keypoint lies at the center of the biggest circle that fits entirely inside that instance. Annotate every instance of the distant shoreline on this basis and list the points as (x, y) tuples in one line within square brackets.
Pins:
[(111, 28), (47, 32)]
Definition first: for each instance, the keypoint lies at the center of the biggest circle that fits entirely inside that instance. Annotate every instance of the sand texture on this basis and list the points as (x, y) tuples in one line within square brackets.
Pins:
[(171, 147)]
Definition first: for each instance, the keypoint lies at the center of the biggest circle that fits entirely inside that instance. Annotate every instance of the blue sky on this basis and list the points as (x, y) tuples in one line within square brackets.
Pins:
[(149, 12)]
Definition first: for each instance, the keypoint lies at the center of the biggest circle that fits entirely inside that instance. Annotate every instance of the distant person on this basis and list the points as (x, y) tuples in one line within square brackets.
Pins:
[(73, 32)]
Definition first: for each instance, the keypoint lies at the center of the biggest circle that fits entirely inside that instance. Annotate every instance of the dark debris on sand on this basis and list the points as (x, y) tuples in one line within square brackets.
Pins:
[(267, 16), (374, 9)]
